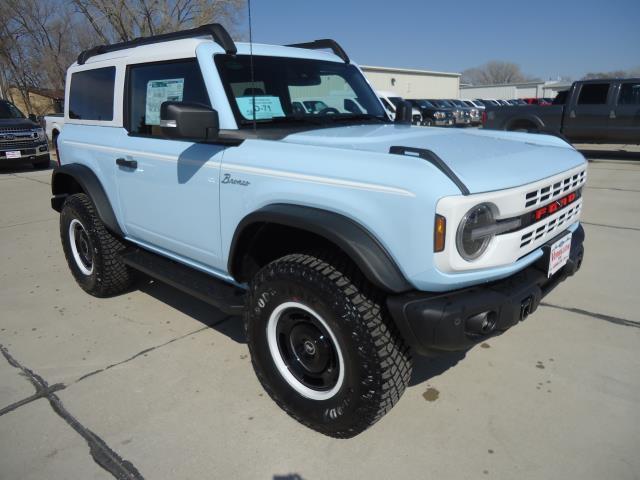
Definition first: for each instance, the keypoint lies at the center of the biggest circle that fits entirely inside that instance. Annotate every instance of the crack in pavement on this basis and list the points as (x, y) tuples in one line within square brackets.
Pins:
[(28, 223), (613, 188), (101, 453), (147, 350), (48, 184), (610, 226), (599, 316)]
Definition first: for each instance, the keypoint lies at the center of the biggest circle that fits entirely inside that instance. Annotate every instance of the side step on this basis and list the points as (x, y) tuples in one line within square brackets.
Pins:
[(222, 295)]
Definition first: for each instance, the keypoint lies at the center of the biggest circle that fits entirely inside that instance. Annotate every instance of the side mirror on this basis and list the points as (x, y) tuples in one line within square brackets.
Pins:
[(404, 113), (33, 118), (189, 121)]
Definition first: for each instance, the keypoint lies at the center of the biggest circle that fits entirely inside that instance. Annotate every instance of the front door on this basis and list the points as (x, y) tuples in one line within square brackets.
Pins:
[(168, 189)]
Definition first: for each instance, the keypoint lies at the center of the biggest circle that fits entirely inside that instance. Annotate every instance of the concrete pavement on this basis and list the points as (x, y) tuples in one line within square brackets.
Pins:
[(154, 384)]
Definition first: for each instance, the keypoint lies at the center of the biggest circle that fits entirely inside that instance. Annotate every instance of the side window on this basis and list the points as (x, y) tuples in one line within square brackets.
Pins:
[(151, 84), (91, 94), (629, 94), (593, 94)]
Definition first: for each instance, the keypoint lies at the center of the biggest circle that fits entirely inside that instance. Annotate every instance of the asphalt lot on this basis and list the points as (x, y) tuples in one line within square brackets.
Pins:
[(157, 385)]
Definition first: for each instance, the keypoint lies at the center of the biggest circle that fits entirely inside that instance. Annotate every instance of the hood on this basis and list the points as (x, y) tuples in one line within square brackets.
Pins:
[(17, 123), (485, 160)]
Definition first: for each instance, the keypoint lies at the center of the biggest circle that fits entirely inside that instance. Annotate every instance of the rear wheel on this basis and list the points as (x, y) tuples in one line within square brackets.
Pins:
[(92, 252), (323, 346)]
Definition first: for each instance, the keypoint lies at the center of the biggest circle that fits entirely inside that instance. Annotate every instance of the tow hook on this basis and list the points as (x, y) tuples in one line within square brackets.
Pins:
[(525, 307)]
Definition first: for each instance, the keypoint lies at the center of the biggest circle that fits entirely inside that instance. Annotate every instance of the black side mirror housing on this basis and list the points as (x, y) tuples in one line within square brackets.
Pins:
[(33, 118), (188, 121), (404, 113)]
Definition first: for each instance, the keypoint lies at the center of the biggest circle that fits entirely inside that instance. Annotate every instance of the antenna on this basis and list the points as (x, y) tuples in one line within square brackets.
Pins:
[(253, 91)]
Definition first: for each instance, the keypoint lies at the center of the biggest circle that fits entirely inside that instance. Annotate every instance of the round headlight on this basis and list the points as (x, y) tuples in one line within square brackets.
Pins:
[(470, 240)]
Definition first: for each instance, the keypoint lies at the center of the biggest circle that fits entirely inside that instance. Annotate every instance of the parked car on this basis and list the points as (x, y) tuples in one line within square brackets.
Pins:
[(345, 240), (22, 139), (433, 116), (472, 113), (53, 124), (475, 104), (488, 102), (459, 113), (390, 101), (537, 101), (601, 111)]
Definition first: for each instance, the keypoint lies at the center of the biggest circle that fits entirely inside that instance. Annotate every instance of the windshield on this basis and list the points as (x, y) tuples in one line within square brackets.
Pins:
[(8, 110), (296, 90), (441, 103), (424, 104)]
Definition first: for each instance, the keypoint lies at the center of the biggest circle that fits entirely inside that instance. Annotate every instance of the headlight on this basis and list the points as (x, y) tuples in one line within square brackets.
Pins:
[(439, 115), (40, 132), (472, 239)]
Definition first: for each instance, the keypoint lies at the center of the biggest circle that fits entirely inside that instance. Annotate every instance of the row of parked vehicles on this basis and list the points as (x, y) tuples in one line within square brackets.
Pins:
[(434, 112)]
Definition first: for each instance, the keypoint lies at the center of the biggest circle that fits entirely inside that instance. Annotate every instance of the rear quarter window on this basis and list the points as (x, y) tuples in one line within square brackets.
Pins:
[(91, 94)]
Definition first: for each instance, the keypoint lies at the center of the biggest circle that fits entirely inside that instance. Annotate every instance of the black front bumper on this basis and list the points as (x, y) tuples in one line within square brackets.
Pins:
[(457, 320)]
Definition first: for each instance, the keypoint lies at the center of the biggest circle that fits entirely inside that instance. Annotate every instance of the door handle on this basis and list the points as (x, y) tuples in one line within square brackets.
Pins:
[(127, 163)]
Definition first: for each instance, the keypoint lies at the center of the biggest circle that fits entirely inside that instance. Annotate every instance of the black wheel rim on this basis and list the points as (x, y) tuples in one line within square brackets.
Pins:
[(307, 349)]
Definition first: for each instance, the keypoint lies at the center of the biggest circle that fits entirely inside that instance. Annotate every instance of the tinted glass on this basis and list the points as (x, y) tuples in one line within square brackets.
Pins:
[(91, 94), (629, 94), (593, 94), (9, 110), (328, 91), (153, 83)]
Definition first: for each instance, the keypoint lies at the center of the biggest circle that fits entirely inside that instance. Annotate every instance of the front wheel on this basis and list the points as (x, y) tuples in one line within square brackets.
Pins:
[(92, 252), (323, 345)]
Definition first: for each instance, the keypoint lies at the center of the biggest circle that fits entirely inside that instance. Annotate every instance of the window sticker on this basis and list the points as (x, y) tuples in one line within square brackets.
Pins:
[(158, 91), (267, 106)]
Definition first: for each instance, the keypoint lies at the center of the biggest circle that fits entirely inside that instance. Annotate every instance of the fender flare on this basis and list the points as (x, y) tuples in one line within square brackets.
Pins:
[(62, 185), (364, 249), (526, 118)]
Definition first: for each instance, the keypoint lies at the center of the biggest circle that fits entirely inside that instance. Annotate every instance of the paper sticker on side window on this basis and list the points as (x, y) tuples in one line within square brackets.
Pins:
[(267, 106), (158, 91)]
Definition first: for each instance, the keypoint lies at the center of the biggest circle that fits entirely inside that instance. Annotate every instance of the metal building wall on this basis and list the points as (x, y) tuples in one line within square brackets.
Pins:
[(501, 92), (414, 83)]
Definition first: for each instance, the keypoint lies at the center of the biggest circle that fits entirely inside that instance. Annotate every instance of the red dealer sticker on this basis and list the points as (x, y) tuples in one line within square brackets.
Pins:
[(559, 254)]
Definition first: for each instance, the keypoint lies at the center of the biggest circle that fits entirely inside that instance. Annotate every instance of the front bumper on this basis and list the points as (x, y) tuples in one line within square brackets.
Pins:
[(36, 154), (457, 320)]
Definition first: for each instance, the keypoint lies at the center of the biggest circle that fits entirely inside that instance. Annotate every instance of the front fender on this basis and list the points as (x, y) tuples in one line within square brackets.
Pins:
[(76, 178)]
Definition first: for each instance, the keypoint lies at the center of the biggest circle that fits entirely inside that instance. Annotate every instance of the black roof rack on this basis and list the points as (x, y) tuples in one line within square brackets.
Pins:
[(324, 43), (217, 32)]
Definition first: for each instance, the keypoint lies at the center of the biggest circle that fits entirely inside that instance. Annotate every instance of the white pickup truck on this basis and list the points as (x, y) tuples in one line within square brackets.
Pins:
[(53, 126)]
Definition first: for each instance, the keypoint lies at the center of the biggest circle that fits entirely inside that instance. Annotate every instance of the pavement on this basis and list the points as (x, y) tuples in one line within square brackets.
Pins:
[(154, 384)]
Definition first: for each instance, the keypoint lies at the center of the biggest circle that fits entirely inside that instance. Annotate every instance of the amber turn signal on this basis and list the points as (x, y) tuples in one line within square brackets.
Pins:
[(440, 230)]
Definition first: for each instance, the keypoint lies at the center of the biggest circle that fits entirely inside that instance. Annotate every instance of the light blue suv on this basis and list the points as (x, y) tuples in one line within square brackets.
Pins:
[(268, 181)]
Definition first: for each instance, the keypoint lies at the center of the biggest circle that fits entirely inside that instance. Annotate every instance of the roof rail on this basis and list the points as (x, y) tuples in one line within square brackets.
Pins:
[(217, 32), (324, 43)]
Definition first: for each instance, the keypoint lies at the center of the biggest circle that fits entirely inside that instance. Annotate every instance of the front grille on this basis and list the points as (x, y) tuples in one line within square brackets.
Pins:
[(549, 226), (14, 130), (17, 144), (551, 191)]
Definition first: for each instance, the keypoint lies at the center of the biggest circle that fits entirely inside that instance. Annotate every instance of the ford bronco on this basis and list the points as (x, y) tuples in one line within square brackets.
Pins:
[(346, 241)]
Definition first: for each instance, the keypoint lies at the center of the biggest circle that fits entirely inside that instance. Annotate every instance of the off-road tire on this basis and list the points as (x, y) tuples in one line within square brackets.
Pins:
[(109, 276), (377, 364)]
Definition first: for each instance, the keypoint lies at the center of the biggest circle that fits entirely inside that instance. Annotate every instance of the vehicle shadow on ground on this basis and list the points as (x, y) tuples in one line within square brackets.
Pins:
[(197, 309), (610, 155), (425, 368), (25, 169)]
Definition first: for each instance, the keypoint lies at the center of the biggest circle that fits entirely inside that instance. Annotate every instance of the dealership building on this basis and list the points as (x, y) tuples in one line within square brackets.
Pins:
[(411, 83), (509, 91)]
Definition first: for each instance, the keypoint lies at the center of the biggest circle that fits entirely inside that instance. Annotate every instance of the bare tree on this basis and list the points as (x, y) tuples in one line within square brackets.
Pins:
[(122, 20), (634, 72), (40, 39), (494, 73)]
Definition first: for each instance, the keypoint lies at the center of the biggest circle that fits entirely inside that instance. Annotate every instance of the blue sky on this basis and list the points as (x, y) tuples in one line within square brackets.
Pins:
[(546, 38)]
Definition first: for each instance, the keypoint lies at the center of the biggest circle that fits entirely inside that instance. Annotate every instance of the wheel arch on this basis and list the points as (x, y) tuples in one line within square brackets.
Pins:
[(75, 178), (262, 236), (525, 120)]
